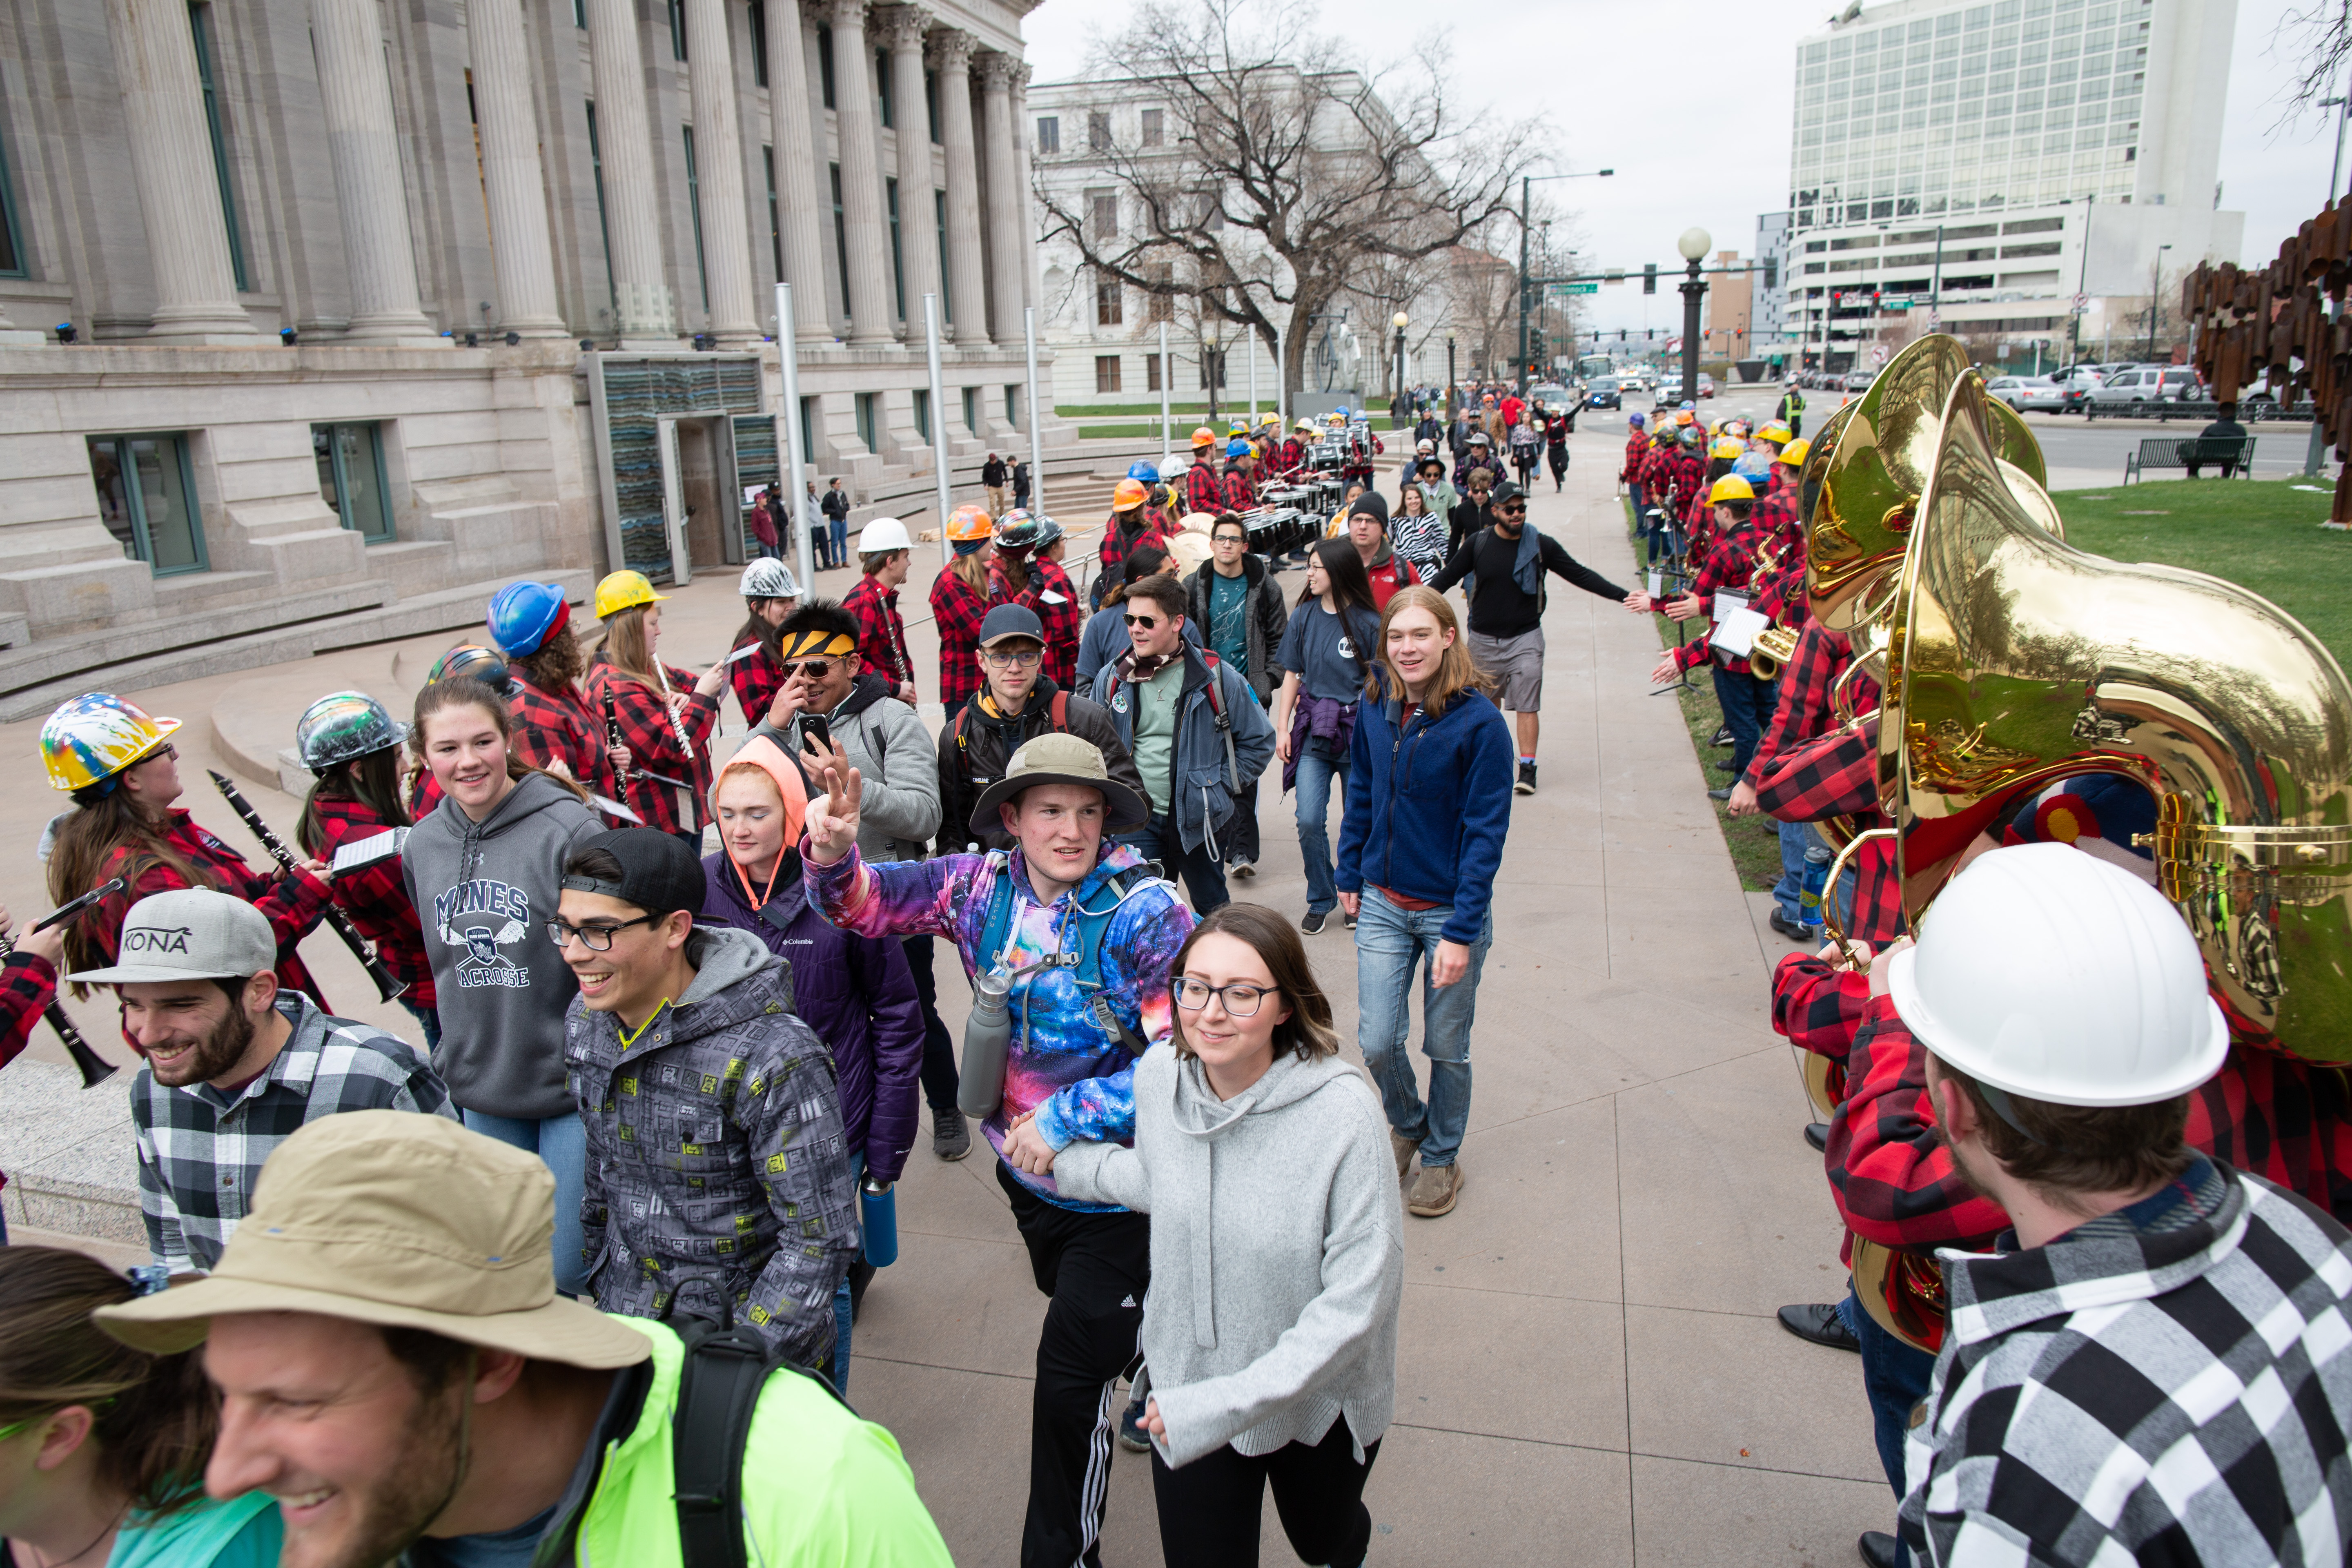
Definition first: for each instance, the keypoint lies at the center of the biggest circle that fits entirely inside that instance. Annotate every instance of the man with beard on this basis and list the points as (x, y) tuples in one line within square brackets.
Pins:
[(396, 1369), (234, 1066)]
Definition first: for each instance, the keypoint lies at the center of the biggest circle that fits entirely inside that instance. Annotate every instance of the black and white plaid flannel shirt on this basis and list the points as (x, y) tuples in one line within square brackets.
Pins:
[(2169, 1383), (200, 1151)]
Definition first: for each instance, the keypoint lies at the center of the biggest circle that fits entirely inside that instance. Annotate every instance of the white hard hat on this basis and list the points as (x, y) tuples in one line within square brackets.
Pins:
[(768, 578), (2048, 974), (883, 533)]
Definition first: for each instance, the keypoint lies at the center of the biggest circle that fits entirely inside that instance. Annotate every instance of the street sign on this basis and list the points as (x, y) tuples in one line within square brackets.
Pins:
[(1894, 301), (1583, 288), (2082, 302)]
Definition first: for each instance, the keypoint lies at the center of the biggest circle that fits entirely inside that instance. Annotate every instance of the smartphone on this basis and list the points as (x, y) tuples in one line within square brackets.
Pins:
[(815, 728)]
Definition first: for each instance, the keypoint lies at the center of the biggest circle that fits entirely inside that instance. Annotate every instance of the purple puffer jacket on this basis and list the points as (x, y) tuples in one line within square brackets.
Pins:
[(856, 993)]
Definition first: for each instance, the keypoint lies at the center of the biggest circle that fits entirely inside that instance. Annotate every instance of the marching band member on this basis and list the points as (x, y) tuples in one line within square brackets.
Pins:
[(770, 594), (353, 746), (667, 715)]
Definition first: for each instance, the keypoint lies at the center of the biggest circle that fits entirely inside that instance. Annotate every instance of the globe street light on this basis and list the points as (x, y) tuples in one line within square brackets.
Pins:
[(1694, 245)]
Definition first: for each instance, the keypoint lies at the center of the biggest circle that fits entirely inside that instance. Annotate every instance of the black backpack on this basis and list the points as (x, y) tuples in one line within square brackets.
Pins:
[(718, 1389)]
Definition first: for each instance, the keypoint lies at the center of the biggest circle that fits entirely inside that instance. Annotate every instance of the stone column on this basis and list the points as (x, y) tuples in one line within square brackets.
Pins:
[(369, 194), (798, 204), (873, 305), (919, 234), (625, 145), (511, 172), (1007, 224), (967, 286), (171, 163), (718, 172)]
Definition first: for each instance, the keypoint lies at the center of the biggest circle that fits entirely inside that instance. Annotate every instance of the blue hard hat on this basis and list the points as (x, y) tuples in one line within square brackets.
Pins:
[(1637, 419), (523, 615), (1753, 467), (1148, 472), (1341, 411), (1688, 406), (1236, 449)]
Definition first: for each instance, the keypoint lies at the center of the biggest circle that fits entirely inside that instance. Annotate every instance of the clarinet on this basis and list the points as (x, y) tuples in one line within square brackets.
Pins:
[(613, 738), (95, 1069), (336, 916)]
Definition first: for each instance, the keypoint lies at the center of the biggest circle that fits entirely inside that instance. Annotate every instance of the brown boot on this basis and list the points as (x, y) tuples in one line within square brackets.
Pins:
[(1434, 1191), (1404, 1149)]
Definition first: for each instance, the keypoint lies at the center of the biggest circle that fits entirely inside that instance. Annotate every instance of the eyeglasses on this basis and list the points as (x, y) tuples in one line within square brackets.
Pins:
[(1146, 622), (1241, 999), (595, 939), (813, 668), (1014, 658)]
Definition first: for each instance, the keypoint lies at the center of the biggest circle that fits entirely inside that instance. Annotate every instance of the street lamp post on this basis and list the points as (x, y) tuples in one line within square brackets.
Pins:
[(1528, 181), (2156, 299), (1399, 320), (1694, 245), (1452, 402)]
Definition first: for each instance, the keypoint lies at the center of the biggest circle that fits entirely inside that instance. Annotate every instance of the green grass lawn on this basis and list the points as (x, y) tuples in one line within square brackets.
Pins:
[(2264, 535)]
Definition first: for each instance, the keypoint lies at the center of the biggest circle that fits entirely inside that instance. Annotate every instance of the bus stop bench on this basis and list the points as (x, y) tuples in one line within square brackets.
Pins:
[(2191, 451)]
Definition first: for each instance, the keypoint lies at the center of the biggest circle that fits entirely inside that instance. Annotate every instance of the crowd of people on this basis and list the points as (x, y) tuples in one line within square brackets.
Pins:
[(575, 1276)]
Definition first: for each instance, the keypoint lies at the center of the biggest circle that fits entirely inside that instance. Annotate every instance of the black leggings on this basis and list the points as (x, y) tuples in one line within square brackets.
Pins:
[(1209, 1510)]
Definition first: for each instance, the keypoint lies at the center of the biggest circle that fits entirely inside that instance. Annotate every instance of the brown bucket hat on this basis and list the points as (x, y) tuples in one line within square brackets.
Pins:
[(401, 1220), (1060, 757)]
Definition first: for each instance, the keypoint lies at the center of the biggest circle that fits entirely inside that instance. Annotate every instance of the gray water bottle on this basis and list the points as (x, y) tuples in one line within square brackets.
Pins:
[(987, 1043)]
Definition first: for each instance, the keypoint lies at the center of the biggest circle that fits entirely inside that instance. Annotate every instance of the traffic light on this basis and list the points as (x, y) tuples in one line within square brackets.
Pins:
[(1649, 278), (1536, 345)]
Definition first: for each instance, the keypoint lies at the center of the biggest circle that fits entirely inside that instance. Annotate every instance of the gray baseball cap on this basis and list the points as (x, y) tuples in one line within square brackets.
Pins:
[(191, 933)]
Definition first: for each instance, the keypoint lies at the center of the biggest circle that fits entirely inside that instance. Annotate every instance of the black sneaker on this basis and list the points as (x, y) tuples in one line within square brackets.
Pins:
[(950, 1134), (1788, 927), (1527, 785), (1722, 736), (1131, 1435), (1314, 922), (1347, 918), (1718, 794)]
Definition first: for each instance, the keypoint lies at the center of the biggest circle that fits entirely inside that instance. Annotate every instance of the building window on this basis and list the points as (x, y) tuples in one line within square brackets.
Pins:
[(947, 296), (12, 239), (840, 238), (604, 225), (694, 205), (882, 89), (971, 409), (775, 221), (1106, 373), (931, 103), (351, 478), (147, 499), (1097, 130), (1154, 127), (865, 402), (759, 42), (1109, 302), (808, 434), (825, 64), (1151, 373), (677, 29), (898, 253), (923, 413), (1103, 212), (1012, 407), (1049, 133), (200, 21), (579, 12)]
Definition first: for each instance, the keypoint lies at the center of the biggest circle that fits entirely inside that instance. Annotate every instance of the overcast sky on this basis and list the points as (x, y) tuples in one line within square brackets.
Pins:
[(1719, 155)]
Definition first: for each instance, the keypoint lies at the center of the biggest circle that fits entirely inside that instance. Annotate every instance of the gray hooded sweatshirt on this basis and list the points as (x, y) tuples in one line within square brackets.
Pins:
[(484, 893), (1278, 1315)]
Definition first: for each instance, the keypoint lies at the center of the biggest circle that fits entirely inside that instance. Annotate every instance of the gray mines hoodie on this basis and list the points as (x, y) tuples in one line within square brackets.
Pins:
[(484, 893), (1277, 1251)]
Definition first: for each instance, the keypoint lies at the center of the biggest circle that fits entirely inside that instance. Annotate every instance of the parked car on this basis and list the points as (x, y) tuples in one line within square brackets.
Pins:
[(1859, 380), (1705, 384), (2024, 392), (1601, 392), (2075, 387), (2128, 392)]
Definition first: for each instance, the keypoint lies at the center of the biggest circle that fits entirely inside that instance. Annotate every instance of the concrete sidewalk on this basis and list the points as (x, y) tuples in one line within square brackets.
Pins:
[(1590, 1370)]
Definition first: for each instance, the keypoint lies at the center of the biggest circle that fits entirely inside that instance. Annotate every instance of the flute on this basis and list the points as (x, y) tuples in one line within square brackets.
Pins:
[(336, 916)]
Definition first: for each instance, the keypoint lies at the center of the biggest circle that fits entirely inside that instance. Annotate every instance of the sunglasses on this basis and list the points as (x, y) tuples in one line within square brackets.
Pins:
[(1513, 509), (814, 668), (1146, 622)]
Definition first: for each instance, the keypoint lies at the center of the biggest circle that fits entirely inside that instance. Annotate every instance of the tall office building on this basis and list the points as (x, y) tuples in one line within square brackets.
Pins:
[(1985, 163)]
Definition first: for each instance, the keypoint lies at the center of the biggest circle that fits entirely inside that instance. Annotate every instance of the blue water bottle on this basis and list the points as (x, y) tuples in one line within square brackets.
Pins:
[(1809, 897), (878, 1210)]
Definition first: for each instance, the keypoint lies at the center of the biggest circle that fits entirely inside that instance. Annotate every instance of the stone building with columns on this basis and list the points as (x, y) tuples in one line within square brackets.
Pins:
[(319, 318)]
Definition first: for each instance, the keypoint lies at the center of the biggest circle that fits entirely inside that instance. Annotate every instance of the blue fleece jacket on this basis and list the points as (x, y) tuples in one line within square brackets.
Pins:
[(1428, 802)]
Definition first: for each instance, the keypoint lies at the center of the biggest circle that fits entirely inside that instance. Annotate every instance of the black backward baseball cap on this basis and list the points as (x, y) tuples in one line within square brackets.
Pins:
[(658, 872)]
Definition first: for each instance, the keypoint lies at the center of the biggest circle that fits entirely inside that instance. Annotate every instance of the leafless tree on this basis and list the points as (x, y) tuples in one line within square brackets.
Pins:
[(1292, 179), (2318, 40)]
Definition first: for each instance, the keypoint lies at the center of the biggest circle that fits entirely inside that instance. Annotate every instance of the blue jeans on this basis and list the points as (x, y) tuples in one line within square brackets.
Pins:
[(840, 542), (1205, 876), (1314, 776), (1389, 941), (1796, 837), (1896, 1377), (562, 1144), (1747, 704), (429, 1020), (841, 1313)]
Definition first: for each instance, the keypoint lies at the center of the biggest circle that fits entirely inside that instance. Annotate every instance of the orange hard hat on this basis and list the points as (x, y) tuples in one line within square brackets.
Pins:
[(1203, 436), (969, 523), (1129, 495)]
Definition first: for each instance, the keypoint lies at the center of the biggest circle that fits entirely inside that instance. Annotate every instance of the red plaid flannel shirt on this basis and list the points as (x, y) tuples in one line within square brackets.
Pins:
[(1894, 1182), (645, 729), (376, 896), (1049, 593), (1836, 774), (881, 630), (1803, 711), (1816, 1008), (1729, 566), (1116, 550), (1637, 457), (1290, 456), (2285, 1120), (1203, 490), (1241, 493), (27, 986), (756, 680), (291, 901), (563, 727), (956, 613), (1776, 513)]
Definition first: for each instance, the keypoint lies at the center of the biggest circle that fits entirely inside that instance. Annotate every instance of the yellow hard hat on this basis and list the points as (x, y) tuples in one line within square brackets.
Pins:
[(1731, 487), (1795, 453), (1203, 436), (91, 739), (1776, 431), (966, 523), (624, 591), (1728, 447)]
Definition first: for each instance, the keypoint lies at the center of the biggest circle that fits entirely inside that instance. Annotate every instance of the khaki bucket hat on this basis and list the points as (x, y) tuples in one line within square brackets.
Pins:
[(401, 1220), (1059, 757)]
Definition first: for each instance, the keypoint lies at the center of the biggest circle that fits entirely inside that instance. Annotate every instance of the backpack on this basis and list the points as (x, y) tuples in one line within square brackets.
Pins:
[(1092, 926), (719, 1389), (1216, 710)]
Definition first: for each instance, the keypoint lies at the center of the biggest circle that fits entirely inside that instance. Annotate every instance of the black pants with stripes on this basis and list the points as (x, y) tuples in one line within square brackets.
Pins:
[(1095, 1267)]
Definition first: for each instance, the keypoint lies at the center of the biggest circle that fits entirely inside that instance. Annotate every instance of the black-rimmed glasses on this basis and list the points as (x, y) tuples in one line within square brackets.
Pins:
[(595, 939), (1241, 999)]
